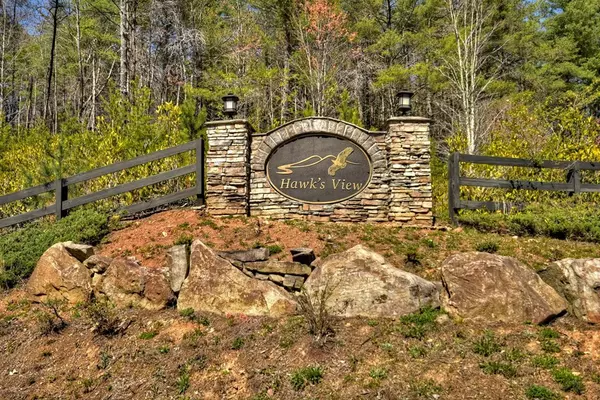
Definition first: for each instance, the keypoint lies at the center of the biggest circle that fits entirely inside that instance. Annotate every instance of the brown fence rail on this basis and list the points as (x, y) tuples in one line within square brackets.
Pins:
[(61, 186), (455, 181)]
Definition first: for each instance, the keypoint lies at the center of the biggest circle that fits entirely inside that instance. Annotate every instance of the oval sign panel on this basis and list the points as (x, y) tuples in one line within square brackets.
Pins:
[(319, 169)]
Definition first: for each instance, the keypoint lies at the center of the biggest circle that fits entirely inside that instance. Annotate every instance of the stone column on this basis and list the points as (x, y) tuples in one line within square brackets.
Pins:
[(228, 167), (409, 155)]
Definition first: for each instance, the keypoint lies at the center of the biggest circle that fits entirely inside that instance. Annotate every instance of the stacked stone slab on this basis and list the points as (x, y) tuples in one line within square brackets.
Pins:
[(227, 166), (400, 188)]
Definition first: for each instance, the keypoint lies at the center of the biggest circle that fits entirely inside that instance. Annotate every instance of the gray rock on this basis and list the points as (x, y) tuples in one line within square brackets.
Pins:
[(578, 282), (279, 267), (303, 255), (276, 278), (80, 251), (491, 288), (177, 265), (247, 272), (261, 277), (260, 254), (97, 263), (293, 281), (126, 283), (361, 283)]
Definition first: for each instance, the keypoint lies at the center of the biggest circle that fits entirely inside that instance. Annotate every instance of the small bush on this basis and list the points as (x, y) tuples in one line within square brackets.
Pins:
[(305, 376), (486, 345), (104, 317), (488, 246), (535, 392), (20, 250), (417, 351), (568, 381), (425, 389), (499, 368), (412, 256), (315, 309), (544, 361), (51, 321)]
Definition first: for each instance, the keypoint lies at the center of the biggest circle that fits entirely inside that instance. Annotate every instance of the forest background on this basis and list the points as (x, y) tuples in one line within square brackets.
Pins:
[(86, 83)]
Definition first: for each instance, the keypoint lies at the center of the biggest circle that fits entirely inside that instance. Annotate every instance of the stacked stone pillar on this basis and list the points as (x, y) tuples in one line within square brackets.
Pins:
[(409, 156), (228, 167)]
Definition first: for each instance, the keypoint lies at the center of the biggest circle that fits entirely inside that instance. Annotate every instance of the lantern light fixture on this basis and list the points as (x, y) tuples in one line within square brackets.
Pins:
[(230, 104), (405, 101)]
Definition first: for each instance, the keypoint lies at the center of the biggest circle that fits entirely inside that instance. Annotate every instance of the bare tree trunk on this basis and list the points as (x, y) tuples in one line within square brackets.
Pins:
[(94, 80), (2, 64), (51, 63), (79, 57), (124, 33)]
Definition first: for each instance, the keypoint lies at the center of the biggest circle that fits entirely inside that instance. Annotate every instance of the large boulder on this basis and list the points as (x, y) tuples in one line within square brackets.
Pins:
[(492, 288), (578, 281), (126, 284), (60, 275), (215, 285), (360, 282), (178, 266)]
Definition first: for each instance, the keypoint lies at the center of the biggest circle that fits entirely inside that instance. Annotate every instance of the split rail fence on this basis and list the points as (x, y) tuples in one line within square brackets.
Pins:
[(455, 181), (60, 187)]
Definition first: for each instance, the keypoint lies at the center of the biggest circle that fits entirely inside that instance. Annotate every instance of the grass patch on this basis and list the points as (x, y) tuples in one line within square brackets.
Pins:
[(507, 370), (21, 249), (548, 333), (489, 246), (568, 381), (486, 345), (536, 392), (417, 325), (544, 361), (550, 346), (275, 249), (304, 376), (184, 239), (238, 343), (148, 335)]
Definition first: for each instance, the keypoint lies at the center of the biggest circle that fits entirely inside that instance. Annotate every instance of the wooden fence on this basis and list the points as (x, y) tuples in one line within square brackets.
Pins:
[(60, 187), (455, 181)]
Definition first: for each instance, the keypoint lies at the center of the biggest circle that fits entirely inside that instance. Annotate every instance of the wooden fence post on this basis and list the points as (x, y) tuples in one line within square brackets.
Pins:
[(200, 170), (61, 193), (576, 178), (453, 186)]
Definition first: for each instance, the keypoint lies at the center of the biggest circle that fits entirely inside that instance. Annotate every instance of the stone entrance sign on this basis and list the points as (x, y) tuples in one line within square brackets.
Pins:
[(319, 169)]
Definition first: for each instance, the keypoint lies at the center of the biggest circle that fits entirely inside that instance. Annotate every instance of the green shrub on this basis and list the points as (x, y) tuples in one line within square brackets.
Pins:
[(104, 317), (488, 246), (568, 381), (486, 345), (535, 392), (378, 373), (305, 376), (21, 249), (561, 220)]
